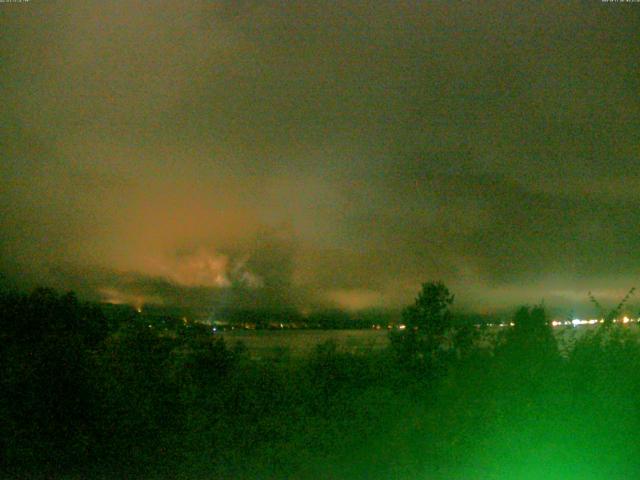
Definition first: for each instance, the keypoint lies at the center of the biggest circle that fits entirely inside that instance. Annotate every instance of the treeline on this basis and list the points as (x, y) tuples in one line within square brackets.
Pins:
[(87, 396), (328, 319), (256, 318)]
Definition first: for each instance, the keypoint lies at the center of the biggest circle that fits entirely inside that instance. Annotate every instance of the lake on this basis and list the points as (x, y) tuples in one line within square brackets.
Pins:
[(263, 343)]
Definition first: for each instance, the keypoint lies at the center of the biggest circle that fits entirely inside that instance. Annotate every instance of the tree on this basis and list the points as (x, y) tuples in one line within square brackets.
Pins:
[(430, 311), (47, 394), (528, 353), (422, 344), (531, 334)]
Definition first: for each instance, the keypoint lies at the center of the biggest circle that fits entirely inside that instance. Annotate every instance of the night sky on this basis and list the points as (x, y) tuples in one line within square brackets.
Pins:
[(321, 154)]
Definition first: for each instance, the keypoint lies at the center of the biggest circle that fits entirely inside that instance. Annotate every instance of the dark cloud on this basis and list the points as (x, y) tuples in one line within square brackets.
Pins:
[(258, 275), (493, 146)]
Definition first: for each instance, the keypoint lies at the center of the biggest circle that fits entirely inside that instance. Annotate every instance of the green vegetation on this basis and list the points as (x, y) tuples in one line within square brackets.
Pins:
[(87, 396)]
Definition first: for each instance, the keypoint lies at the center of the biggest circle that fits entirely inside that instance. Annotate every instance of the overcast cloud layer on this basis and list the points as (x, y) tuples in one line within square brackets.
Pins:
[(321, 153)]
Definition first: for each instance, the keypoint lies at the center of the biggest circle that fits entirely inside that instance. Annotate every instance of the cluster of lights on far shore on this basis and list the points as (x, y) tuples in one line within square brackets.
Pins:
[(576, 322), (594, 321)]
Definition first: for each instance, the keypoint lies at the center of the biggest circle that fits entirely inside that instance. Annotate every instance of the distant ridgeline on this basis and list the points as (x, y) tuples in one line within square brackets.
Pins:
[(172, 318), (481, 319), (273, 319), (291, 318), (176, 317)]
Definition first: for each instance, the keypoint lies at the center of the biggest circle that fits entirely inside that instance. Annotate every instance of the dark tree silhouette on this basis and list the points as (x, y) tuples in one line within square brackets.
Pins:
[(527, 355), (428, 323), (48, 350), (531, 334)]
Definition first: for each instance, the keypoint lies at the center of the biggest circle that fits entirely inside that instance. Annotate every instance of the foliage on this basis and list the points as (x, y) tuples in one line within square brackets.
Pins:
[(140, 402), (430, 338), (48, 345), (531, 335)]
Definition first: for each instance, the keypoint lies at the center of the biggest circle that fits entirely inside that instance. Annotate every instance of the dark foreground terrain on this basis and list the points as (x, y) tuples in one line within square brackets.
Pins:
[(87, 396)]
